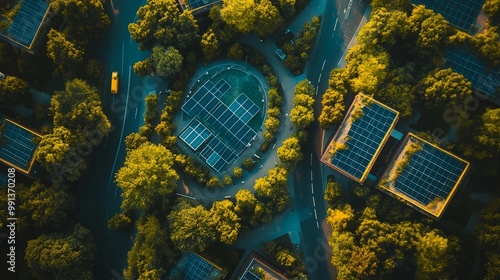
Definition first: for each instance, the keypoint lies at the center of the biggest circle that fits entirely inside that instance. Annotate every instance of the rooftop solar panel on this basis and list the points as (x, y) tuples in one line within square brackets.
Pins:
[(197, 268), (475, 71), (218, 155), (363, 138), (429, 177), (210, 108), (195, 134), (460, 13), (27, 21), (18, 149)]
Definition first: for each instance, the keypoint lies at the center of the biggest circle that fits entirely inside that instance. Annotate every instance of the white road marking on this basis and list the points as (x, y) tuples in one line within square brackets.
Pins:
[(319, 78), (314, 203), (123, 128), (312, 188), (323, 67), (311, 159), (136, 112), (317, 225), (317, 88), (311, 175), (315, 214), (335, 27)]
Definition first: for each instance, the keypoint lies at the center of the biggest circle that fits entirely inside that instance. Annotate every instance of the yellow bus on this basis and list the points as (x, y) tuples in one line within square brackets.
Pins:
[(114, 82)]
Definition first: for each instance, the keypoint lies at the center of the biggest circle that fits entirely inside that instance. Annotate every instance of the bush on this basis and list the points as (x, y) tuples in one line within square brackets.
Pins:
[(119, 222), (227, 180), (237, 172), (248, 164), (214, 182)]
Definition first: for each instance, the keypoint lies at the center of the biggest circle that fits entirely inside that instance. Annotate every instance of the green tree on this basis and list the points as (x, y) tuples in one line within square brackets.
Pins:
[(489, 135), (272, 188), (333, 108), (210, 45), (61, 256), (168, 61), (301, 116), (134, 140), (248, 164), (489, 46), (434, 256), (285, 258), (225, 221), (237, 172), (13, 90), (303, 87), (239, 13), (389, 4), (492, 8), (79, 109), (272, 124), (267, 16), (333, 192), (89, 12), (289, 153), (46, 207), (147, 177), (235, 51), (190, 228), (66, 55), (214, 182), (161, 22), (371, 73), (432, 28), (227, 180), (144, 67), (119, 221), (445, 88)]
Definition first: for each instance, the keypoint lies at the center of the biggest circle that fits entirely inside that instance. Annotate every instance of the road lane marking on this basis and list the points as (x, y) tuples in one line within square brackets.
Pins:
[(314, 203), (312, 188), (311, 159), (317, 88), (136, 112), (315, 214), (319, 78), (123, 128), (323, 67), (335, 27), (311, 175), (317, 225)]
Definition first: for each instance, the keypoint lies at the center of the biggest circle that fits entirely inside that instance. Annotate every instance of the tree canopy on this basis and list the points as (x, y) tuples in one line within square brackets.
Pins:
[(13, 90), (61, 256), (167, 61), (66, 55), (225, 221), (289, 153), (147, 177), (444, 89)]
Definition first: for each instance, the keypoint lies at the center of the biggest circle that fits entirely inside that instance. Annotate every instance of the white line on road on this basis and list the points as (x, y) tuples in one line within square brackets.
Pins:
[(123, 128), (312, 188), (319, 78), (317, 89), (323, 67), (311, 175), (317, 225), (314, 203), (335, 27), (311, 159), (136, 112), (315, 214)]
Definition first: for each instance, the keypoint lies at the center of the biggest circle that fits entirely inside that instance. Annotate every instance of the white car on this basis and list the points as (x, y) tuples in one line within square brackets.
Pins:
[(280, 54)]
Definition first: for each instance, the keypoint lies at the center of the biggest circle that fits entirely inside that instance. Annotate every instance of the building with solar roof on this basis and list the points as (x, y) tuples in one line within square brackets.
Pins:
[(18, 145), (256, 267), (423, 176), (475, 70), (23, 29), (460, 13), (218, 132), (360, 137)]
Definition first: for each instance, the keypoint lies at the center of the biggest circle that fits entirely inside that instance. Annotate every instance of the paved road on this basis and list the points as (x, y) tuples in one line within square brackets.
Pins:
[(98, 197)]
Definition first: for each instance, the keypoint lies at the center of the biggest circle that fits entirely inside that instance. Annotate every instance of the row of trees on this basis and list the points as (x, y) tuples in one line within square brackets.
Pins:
[(298, 53)]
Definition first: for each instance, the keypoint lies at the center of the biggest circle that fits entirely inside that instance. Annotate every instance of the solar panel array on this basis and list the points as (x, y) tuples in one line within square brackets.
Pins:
[(244, 108), (218, 155), (193, 4), (19, 148), (250, 276), (460, 13), (195, 134), (474, 70), (365, 138), (27, 21), (206, 104), (430, 173), (197, 268)]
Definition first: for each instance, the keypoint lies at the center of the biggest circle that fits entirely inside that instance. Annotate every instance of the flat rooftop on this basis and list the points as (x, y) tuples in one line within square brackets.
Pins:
[(460, 13), (17, 145), (360, 137), (24, 27), (423, 176)]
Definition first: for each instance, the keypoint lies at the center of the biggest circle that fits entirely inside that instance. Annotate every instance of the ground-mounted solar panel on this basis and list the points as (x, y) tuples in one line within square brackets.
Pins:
[(360, 138), (27, 21), (472, 68), (460, 13), (423, 175), (195, 134), (218, 155)]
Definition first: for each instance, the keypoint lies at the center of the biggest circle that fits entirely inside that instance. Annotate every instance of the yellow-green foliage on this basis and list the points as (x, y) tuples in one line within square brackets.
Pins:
[(435, 204), (335, 147), (401, 164), (357, 112)]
